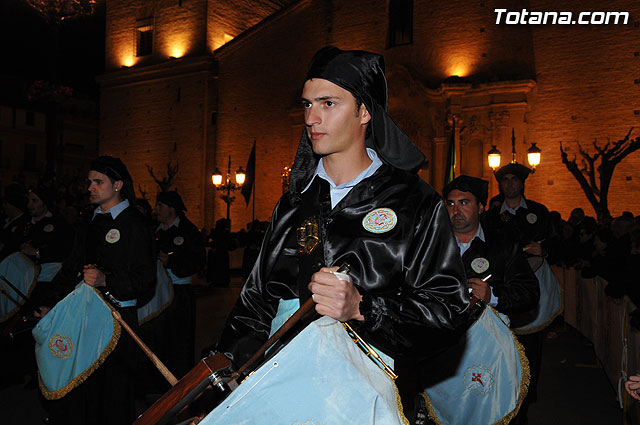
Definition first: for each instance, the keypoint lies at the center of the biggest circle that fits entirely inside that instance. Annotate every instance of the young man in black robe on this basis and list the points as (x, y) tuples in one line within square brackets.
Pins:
[(114, 253), (355, 197)]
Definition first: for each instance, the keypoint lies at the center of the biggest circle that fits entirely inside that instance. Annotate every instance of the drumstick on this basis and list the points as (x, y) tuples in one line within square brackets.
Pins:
[(17, 291), (154, 359), (484, 279)]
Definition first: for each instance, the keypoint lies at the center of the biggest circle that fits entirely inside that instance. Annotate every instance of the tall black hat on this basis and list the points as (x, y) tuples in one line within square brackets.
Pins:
[(115, 169), (362, 74), (516, 169), (172, 199), (478, 187)]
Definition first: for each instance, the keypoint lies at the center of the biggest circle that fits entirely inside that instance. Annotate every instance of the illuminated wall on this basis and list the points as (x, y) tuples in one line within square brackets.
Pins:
[(547, 83)]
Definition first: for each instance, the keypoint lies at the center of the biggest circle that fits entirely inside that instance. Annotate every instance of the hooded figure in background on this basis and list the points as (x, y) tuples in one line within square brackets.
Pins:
[(355, 198)]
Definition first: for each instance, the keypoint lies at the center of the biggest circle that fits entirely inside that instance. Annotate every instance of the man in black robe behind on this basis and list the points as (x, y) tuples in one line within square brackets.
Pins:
[(114, 253)]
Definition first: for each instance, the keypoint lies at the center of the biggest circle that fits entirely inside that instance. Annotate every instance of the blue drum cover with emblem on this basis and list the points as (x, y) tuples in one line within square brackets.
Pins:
[(23, 274), (162, 297), (550, 304), (320, 377), (491, 379), (73, 339)]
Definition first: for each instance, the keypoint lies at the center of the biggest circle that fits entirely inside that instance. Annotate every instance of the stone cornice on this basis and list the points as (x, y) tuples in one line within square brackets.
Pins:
[(167, 69)]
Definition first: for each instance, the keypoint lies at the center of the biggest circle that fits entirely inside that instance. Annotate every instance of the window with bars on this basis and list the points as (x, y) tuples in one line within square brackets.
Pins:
[(400, 22)]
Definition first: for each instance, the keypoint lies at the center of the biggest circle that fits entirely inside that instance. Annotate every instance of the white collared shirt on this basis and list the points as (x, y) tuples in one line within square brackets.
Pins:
[(505, 207), (175, 222), (48, 214), (114, 211), (340, 191)]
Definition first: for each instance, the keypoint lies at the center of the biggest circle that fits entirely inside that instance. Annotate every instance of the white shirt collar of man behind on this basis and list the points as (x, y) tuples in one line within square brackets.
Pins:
[(114, 211), (48, 214), (175, 222), (340, 191), (505, 207)]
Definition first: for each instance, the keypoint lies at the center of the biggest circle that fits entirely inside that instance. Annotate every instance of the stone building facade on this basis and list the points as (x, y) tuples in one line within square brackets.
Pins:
[(215, 76)]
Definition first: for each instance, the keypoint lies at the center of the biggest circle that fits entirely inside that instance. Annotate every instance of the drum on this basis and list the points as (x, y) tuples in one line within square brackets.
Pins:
[(489, 380), (73, 340), (320, 377), (18, 269), (550, 304), (162, 297)]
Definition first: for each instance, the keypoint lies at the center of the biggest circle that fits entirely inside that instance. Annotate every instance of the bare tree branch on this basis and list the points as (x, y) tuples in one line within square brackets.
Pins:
[(596, 171), (164, 183)]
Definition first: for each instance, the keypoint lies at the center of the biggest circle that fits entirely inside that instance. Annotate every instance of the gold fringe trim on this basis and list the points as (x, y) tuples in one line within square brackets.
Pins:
[(520, 331), (157, 313), (524, 385), (525, 380), (403, 418), (30, 288), (54, 395)]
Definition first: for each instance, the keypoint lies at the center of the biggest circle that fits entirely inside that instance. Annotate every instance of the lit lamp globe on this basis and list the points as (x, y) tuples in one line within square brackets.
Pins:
[(216, 178), (534, 155), (494, 158), (240, 176)]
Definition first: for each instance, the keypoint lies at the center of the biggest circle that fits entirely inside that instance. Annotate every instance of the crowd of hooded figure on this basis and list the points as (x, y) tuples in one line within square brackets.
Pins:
[(453, 288)]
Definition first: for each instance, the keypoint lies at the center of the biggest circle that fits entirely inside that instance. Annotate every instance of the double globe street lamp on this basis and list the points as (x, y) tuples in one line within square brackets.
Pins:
[(229, 184), (534, 155)]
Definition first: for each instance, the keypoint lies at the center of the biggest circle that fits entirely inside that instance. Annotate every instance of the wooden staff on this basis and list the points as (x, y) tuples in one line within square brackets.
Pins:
[(154, 359), (206, 370)]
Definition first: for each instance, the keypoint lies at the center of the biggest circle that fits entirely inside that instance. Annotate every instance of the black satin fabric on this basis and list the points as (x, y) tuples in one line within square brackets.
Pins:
[(415, 298), (512, 280)]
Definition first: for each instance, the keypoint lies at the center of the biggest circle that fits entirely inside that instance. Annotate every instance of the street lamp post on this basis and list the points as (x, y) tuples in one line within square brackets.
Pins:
[(533, 155), (229, 185)]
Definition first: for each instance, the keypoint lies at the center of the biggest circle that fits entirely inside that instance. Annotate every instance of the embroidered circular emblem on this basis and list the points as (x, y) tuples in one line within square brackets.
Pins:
[(178, 240), (480, 265), (61, 346), (478, 379), (113, 236), (532, 218), (48, 228), (380, 220)]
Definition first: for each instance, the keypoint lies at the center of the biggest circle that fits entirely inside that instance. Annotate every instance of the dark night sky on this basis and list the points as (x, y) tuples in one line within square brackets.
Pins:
[(29, 51)]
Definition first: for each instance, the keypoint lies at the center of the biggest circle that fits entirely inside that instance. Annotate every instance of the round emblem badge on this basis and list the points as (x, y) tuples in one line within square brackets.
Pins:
[(61, 346), (48, 228), (532, 218), (112, 236), (178, 240), (480, 265), (380, 220), (478, 379)]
